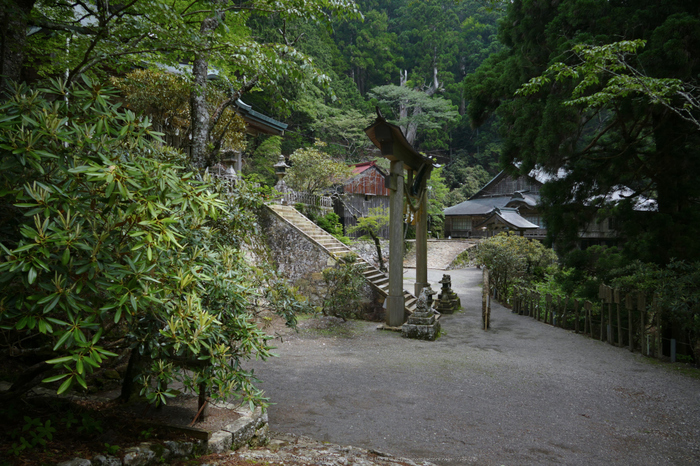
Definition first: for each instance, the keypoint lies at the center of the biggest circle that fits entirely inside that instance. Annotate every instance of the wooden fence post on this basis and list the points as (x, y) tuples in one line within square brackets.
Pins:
[(485, 297), (601, 295), (642, 308), (565, 313), (609, 328), (589, 318), (548, 311), (629, 304), (657, 316), (616, 298), (537, 305), (576, 312)]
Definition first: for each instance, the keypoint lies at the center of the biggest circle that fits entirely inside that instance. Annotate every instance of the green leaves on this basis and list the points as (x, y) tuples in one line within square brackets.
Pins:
[(110, 231), (343, 281), (313, 170), (511, 259)]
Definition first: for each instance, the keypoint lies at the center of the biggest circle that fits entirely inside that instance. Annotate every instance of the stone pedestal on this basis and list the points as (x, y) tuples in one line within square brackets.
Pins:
[(448, 302), (422, 325)]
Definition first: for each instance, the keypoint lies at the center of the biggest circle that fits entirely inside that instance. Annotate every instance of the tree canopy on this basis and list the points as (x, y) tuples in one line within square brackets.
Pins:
[(618, 146)]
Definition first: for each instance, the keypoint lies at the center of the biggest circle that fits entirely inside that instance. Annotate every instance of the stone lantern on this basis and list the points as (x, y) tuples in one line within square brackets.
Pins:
[(281, 171)]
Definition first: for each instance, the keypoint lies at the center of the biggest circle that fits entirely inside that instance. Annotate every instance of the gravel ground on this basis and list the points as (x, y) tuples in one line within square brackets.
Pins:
[(523, 393)]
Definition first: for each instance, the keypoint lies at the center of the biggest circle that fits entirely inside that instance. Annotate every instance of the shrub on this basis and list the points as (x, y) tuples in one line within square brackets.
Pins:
[(512, 259), (114, 246), (344, 287)]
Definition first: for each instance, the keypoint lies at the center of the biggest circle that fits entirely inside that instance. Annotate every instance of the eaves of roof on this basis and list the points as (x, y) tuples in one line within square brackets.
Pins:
[(480, 206), (262, 123), (510, 217)]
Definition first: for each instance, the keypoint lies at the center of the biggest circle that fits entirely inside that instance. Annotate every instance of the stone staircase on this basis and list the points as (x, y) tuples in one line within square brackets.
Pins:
[(376, 278)]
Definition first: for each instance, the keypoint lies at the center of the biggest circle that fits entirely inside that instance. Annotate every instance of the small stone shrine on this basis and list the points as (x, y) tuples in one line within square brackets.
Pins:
[(422, 324), (448, 302)]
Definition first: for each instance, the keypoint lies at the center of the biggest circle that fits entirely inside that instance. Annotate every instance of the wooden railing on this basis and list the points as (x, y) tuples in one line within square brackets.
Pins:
[(322, 202)]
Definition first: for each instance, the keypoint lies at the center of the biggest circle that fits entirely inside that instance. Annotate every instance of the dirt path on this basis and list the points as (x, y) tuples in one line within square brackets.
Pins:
[(523, 393)]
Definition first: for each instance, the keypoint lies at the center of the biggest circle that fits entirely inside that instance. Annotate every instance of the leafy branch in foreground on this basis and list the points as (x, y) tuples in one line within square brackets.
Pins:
[(607, 68), (112, 246)]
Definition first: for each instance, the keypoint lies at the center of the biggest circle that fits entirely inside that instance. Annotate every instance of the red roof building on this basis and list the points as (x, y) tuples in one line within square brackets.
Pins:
[(362, 192), (368, 179)]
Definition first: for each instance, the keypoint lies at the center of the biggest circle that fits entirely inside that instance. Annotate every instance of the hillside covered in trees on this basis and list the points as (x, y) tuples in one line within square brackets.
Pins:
[(408, 57)]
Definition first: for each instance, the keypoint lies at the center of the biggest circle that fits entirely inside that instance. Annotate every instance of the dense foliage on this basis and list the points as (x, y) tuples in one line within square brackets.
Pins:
[(607, 116), (412, 66), (344, 283), (512, 259), (109, 245), (313, 171)]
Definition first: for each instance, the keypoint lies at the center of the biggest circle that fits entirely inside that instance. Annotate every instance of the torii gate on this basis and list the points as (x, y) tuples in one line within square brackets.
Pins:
[(394, 146)]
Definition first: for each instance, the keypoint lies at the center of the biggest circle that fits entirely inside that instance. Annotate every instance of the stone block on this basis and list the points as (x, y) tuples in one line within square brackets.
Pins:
[(421, 320), (219, 442), (261, 437), (76, 462), (421, 332), (139, 456), (180, 449), (102, 460)]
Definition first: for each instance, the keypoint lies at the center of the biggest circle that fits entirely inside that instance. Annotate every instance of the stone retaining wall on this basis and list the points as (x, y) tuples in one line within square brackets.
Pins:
[(302, 261), (250, 429)]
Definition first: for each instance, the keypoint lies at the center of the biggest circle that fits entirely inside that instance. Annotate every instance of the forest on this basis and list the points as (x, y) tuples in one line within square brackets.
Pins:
[(412, 69)]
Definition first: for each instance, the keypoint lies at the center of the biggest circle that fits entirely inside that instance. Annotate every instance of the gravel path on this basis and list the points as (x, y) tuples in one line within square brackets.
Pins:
[(441, 253), (523, 393)]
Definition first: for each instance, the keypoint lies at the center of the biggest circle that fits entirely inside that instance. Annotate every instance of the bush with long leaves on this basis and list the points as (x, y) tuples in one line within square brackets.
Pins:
[(108, 245)]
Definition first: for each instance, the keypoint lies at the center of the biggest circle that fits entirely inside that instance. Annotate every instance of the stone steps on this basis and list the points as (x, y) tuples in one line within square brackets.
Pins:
[(375, 277)]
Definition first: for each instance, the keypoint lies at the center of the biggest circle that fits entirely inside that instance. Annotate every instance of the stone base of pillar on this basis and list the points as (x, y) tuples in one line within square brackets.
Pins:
[(422, 324), (446, 305)]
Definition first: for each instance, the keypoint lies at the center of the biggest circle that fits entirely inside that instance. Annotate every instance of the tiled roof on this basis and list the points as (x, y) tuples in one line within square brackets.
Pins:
[(481, 206)]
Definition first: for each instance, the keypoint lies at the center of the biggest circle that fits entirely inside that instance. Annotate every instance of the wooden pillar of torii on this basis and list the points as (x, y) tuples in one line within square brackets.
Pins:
[(393, 145)]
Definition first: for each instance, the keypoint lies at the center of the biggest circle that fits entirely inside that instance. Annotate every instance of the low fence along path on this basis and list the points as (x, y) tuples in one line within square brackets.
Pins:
[(522, 393)]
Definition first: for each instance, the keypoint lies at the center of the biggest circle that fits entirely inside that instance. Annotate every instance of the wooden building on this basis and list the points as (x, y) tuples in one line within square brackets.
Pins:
[(364, 191), (507, 203)]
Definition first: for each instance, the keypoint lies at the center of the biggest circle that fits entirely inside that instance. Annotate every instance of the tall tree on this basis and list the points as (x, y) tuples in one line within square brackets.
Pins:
[(629, 141), (414, 110)]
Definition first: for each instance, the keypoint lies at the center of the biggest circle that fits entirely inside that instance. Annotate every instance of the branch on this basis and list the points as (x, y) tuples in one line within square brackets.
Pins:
[(226, 104), (26, 381), (50, 25), (234, 7)]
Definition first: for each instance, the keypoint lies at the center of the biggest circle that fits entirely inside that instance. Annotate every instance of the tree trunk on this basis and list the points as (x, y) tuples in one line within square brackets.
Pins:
[(378, 245), (13, 38), (198, 102), (132, 370)]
